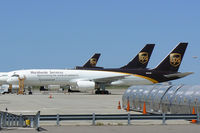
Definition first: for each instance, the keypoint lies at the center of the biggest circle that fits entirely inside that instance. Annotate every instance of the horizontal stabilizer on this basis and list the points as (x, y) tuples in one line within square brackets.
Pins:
[(178, 75), (109, 79)]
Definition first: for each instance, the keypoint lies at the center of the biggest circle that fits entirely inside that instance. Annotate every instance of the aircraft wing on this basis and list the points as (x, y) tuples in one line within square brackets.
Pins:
[(109, 79)]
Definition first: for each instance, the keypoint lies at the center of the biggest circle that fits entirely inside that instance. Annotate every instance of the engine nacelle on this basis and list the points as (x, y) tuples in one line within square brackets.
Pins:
[(85, 85)]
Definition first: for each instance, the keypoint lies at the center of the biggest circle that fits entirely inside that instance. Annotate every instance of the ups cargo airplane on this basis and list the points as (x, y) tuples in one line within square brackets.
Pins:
[(98, 78), (91, 63)]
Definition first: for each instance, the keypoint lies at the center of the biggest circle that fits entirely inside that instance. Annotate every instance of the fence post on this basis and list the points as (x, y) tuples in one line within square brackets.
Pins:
[(93, 119), (16, 121), (5, 119), (129, 119), (1, 118), (20, 121), (58, 120), (163, 119), (12, 120), (9, 119), (37, 121)]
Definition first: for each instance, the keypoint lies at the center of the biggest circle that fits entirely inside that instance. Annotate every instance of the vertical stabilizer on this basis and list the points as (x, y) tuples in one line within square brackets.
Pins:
[(173, 60), (141, 60), (92, 61)]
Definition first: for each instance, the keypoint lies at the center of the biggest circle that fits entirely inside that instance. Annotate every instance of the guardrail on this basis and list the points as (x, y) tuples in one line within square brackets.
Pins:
[(95, 117), (12, 120)]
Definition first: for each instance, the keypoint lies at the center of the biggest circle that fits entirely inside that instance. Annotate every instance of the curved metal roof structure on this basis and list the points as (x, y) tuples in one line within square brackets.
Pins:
[(163, 98)]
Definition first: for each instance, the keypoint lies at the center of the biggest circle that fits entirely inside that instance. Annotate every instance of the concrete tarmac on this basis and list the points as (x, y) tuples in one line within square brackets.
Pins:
[(60, 103)]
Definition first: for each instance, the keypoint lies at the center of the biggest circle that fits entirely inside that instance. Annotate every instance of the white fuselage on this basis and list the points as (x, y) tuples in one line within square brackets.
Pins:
[(42, 77), (3, 78)]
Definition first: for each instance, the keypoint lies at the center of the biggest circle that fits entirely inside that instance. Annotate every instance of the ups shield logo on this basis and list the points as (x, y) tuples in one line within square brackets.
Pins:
[(93, 62), (143, 57), (175, 59)]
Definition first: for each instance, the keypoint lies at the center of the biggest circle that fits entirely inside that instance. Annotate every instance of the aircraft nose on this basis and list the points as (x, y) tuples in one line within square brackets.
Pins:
[(3, 80), (12, 80)]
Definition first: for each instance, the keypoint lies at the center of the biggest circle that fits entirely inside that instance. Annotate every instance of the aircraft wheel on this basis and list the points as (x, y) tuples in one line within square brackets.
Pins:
[(106, 92), (97, 92), (102, 92)]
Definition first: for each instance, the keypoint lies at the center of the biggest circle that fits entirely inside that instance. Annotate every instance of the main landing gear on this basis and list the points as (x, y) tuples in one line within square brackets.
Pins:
[(69, 90), (100, 89), (102, 92)]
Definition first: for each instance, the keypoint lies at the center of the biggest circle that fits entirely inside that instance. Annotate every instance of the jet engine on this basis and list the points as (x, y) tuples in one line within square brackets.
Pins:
[(85, 85)]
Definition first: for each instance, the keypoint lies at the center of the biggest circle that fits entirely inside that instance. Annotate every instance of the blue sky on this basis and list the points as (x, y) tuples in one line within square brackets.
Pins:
[(64, 34)]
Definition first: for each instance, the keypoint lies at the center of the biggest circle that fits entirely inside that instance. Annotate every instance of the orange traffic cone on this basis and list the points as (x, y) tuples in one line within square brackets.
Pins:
[(119, 105), (193, 112), (128, 106), (50, 96), (144, 109)]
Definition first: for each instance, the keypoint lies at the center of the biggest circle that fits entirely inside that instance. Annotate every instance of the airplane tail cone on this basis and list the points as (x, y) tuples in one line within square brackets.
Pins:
[(119, 105), (128, 106), (144, 109), (193, 112)]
